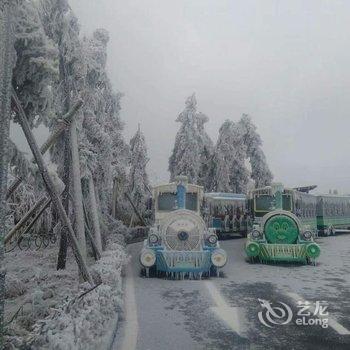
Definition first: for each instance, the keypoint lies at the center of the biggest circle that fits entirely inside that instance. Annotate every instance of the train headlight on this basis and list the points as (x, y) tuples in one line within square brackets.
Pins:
[(147, 258), (219, 258), (252, 249), (153, 238), (307, 235), (256, 234), (313, 250), (212, 239)]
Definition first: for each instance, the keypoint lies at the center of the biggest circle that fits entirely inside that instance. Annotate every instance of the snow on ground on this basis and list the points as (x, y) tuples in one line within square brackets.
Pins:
[(52, 315)]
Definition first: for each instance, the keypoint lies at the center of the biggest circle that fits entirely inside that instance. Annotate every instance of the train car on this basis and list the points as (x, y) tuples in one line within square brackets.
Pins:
[(284, 225), (179, 245), (226, 213), (333, 214)]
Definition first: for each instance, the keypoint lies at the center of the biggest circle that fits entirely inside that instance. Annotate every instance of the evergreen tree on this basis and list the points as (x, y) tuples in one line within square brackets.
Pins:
[(206, 147), (138, 178), (103, 145), (61, 26), (239, 173), (193, 146), (261, 173), (36, 65), (34, 74), (227, 169), (218, 179)]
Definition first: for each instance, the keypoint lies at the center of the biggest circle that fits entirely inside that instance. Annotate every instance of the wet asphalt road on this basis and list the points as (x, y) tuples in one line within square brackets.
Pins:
[(222, 313)]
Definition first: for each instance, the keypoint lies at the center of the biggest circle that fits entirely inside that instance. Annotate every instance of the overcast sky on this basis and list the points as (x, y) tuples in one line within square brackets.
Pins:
[(285, 63)]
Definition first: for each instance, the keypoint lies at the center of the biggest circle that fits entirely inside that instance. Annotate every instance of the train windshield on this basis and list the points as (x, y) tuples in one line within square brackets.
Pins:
[(191, 201), (167, 201), (266, 203), (263, 202)]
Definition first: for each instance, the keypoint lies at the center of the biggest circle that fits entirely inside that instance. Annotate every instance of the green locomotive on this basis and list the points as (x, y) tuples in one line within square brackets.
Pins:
[(284, 225)]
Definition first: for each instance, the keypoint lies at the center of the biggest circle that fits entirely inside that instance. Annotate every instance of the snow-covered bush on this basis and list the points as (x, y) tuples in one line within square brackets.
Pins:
[(88, 320), (14, 287)]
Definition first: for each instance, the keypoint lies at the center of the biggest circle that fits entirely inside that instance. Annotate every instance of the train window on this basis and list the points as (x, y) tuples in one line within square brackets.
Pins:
[(167, 201), (191, 201), (263, 203), (287, 202)]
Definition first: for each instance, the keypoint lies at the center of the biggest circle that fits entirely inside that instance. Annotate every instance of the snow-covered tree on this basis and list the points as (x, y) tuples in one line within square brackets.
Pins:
[(261, 173), (34, 73), (61, 26), (227, 170), (36, 64), (6, 61), (138, 178), (206, 147), (192, 145), (103, 146), (218, 178)]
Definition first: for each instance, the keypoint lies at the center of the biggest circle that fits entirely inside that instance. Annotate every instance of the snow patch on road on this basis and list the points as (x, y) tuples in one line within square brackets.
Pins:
[(230, 315)]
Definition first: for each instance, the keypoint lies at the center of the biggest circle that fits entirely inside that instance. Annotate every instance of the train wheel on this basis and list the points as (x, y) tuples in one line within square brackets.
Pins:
[(213, 271), (148, 272)]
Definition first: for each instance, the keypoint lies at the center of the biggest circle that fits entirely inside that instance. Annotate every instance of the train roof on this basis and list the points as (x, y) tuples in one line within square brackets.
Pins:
[(328, 195), (172, 187), (222, 196)]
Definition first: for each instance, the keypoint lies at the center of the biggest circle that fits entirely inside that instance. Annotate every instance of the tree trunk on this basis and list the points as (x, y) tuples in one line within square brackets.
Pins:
[(135, 210), (63, 124), (62, 253), (94, 214), (114, 199), (97, 253), (37, 216), (6, 64), (77, 191), (52, 191), (25, 218)]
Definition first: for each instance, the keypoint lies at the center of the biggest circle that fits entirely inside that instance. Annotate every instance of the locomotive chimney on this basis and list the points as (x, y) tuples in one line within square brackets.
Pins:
[(181, 182), (277, 190)]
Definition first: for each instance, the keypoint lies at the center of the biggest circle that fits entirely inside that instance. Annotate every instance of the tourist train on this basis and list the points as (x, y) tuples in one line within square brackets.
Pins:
[(285, 222), (231, 214), (280, 225), (179, 244)]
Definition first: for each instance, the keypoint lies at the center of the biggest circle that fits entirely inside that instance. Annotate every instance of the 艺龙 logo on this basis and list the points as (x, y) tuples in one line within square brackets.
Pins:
[(280, 314), (271, 315)]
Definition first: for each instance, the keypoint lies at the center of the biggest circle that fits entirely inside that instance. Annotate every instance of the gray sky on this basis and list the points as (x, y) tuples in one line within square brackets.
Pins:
[(285, 63)]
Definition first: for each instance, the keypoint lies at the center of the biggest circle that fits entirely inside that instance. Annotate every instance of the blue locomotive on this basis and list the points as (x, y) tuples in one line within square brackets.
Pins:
[(179, 245)]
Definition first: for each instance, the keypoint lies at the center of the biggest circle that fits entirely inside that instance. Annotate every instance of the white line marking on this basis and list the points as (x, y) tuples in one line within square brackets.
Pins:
[(230, 315), (331, 322), (131, 323)]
